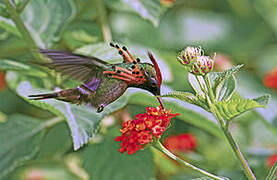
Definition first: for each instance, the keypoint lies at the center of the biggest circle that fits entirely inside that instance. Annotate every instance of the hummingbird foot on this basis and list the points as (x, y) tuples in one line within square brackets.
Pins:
[(100, 109)]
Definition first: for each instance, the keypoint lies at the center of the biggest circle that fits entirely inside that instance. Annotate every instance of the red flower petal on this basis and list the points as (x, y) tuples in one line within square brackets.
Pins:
[(143, 129)]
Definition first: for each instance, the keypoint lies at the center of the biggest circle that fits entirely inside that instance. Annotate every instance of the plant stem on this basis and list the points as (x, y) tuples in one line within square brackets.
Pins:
[(161, 148), (22, 6), (271, 174), (106, 32), (22, 29), (247, 171), (209, 87)]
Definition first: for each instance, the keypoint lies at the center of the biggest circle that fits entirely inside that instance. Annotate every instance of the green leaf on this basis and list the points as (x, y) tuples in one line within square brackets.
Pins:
[(45, 169), (238, 105), (225, 89), (187, 97), (224, 83), (83, 121), (220, 76), (195, 85), (272, 173), (6, 64), (207, 178), (9, 26), (46, 18), (104, 157), (19, 137), (150, 10), (267, 11), (52, 146)]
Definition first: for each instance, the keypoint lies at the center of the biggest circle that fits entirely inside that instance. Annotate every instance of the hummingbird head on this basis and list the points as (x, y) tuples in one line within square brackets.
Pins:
[(153, 76)]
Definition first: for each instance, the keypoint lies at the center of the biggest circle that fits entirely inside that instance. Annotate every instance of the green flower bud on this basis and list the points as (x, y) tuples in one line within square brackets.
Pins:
[(202, 65), (189, 55)]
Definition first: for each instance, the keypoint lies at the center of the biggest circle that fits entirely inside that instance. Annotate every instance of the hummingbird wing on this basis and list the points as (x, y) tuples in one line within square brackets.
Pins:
[(82, 68)]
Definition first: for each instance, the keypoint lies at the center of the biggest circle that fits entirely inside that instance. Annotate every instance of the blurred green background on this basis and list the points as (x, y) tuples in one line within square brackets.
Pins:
[(35, 144)]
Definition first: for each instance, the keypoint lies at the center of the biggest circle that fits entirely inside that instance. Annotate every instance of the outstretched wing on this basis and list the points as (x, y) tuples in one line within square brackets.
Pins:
[(82, 68)]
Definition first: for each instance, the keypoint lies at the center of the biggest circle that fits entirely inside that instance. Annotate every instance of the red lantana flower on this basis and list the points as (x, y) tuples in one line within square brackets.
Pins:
[(270, 79), (2, 81), (144, 129), (180, 143), (271, 160)]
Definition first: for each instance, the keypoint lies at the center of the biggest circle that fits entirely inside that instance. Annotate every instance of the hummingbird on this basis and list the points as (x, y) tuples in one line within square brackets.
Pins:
[(101, 83)]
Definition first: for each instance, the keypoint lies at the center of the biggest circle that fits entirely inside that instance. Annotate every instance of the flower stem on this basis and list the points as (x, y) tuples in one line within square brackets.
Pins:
[(272, 172), (247, 171), (161, 148), (22, 28), (106, 32), (22, 6)]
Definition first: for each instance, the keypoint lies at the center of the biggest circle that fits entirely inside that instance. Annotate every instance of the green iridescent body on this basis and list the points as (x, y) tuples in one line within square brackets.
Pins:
[(102, 83)]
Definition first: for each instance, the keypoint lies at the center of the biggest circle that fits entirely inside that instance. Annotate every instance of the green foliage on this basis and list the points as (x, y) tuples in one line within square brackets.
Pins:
[(6, 64), (224, 83), (19, 138), (194, 82), (238, 105), (45, 19), (82, 120), (9, 26), (104, 157), (241, 30), (272, 173), (51, 170), (150, 10), (188, 97)]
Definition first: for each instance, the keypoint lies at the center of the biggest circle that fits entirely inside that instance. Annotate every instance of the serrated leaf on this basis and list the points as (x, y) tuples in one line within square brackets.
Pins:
[(187, 97), (45, 19), (238, 105), (106, 157), (225, 88), (218, 77), (19, 137), (150, 10), (224, 83), (6, 64), (195, 85)]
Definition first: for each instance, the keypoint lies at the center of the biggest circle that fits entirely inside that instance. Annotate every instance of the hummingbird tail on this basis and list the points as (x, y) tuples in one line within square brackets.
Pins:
[(43, 96), (74, 95)]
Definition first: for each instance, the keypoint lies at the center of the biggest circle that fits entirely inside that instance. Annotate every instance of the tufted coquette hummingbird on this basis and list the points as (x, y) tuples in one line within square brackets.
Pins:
[(102, 83)]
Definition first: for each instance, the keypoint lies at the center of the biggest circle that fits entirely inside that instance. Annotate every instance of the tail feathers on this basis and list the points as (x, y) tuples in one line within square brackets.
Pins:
[(43, 96)]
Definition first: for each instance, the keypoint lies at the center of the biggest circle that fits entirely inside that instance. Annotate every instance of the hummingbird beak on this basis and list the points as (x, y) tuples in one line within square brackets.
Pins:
[(161, 102)]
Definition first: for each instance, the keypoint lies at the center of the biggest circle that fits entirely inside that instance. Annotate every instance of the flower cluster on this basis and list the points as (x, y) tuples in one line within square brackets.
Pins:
[(195, 61), (2, 81), (271, 160), (144, 129), (270, 79), (180, 143)]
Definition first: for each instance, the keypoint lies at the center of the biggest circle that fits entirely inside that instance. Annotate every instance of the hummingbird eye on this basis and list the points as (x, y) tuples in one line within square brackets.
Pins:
[(154, 82)]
